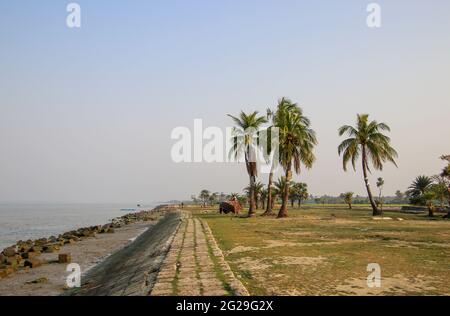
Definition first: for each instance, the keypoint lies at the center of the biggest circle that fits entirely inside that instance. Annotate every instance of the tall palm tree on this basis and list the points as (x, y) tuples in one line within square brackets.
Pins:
[(367, 140), (245, 139), (297, 141), (271, 152)]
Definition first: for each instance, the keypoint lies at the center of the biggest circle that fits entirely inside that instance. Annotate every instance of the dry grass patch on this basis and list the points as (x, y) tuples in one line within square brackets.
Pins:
[(326, 252)]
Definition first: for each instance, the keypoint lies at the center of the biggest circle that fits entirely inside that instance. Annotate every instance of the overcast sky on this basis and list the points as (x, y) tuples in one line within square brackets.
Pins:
[(86, 114)]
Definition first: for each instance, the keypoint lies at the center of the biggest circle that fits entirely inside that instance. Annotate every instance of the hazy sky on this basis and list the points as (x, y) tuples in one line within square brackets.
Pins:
[(86, 114)]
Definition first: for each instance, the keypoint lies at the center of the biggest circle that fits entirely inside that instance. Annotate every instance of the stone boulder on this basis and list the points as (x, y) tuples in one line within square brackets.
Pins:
[(32, 263), (50, 248), (9, 252), (29, 255), (5, 271), (64, 258)]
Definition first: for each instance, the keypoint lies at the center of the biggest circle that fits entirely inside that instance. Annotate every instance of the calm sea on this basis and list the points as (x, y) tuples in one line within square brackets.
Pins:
[(30, 221)]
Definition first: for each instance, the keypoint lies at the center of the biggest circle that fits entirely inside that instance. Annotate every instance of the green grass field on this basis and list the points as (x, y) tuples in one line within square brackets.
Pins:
[(325, 250)]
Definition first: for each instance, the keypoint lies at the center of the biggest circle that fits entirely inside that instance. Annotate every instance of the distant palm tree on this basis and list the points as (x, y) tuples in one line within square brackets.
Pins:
[(204, 197), (292, 194), (295, 193), (301, 189), (297, 141), (278, 190), (348, 198), (368, 141), (380, 184), (245, 138), (418, 188), (257, 188), (213, 198)]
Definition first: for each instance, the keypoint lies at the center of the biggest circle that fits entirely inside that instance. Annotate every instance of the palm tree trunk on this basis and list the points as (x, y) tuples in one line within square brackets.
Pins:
[(252, 207), (269, 205), (430, 211), (283, 210), (376, 211)]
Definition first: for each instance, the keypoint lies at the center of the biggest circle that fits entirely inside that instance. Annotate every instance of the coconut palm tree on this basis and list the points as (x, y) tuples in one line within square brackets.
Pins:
[(367, 140), (245, 139), (297, 141)]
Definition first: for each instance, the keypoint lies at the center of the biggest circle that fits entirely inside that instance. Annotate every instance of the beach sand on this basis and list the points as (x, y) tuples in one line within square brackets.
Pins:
[(87, 253)]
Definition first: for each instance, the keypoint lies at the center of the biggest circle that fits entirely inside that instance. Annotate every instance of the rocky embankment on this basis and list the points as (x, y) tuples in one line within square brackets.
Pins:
[(25, 255)]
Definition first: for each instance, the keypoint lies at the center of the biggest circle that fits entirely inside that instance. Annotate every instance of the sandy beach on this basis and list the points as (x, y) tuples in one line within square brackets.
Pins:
[(50, 277)]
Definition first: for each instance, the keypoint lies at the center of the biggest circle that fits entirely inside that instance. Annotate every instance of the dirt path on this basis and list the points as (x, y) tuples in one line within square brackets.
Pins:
[(195, 266)]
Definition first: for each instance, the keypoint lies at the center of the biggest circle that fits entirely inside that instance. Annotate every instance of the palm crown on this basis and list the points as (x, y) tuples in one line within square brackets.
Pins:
[(366, 136)]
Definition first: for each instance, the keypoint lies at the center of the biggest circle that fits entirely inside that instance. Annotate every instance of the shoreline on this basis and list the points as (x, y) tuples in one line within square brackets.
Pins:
[(24, 221), (38, 267)]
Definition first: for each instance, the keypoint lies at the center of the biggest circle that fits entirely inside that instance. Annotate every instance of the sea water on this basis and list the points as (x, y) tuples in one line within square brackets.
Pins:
[(31, 221)]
